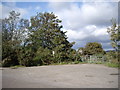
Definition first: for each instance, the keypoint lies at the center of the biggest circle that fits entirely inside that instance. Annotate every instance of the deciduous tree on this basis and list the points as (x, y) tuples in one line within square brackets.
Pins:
[(114, 32), (93, 48)]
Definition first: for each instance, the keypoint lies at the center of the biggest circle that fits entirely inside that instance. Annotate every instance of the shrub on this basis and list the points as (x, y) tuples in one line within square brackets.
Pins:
[(9, 61), (26, 56), (43, 56)]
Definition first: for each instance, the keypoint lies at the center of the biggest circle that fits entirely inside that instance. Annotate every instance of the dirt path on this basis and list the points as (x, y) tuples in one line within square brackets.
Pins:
[(61, 76)]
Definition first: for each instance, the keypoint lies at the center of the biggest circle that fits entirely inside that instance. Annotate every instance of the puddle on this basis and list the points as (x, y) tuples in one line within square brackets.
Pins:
[(110, 81), (88, 76), (114, 74)]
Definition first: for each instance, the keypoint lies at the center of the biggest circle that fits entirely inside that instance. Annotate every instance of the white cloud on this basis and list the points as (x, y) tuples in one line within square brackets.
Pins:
[(100, 32), (37, 7), (90, 33), (86, 22), (58, 6), (87, 14), (9, 7), (75, 35)]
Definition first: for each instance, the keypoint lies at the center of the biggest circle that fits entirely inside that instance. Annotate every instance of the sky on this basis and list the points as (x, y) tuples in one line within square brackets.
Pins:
[(84, 21)]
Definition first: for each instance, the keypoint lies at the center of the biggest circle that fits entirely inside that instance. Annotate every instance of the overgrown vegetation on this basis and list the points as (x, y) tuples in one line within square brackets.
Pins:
[(41, 41)]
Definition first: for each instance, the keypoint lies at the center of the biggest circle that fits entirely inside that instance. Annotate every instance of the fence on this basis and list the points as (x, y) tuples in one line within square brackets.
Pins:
[(93, 59)]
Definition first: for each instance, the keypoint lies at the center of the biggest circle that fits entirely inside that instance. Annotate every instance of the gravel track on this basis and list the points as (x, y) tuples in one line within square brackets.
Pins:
[(61, 76)]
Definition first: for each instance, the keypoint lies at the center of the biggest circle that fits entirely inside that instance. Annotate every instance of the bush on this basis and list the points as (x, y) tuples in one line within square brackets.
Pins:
[(9, 61), (43, 56), (72, 55), (9, 55), (112, 64), (26, 56), (112, 57)]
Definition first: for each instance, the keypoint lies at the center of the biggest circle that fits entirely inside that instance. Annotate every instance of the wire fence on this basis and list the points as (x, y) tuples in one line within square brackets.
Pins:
[(94, 59)]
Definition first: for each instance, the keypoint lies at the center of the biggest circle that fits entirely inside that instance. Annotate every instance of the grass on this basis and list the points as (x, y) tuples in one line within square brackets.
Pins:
[(65, 63), (95, 62), (115, 65), (16, 66), (0, 64)]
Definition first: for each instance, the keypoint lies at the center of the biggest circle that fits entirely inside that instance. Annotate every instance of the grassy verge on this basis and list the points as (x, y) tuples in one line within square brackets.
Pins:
[(0, 64), (64, 63), (115, 65), (17, 66)]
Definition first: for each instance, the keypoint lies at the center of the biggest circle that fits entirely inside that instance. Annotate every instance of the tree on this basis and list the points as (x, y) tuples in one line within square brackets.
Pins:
[(9, 56), (46, 33), (93, 48), (13, 29), (34, 45), (43, 57), (114, 32), (26, 56), (45, 29)]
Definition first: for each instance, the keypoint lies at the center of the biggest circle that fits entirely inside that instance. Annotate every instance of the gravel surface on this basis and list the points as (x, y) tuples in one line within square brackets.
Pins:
[(61, 76)]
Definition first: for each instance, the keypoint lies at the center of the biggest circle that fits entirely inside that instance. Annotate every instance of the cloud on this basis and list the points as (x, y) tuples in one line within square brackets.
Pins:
[(58, 6), (61, 0), (75, 35), (37, 7), (90, 33), (86, 21), (10, 6), (86, 14), (83, 21)]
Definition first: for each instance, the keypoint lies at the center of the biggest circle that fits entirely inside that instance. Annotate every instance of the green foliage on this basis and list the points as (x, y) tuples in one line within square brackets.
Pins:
[(9, 55), (72, 54), (26, 56), (115, 65), (60, 53), (41, 43), (111, 54), (43, 56), (16, 66), (114, 32), (46, 35), (11, 38), (93, 48), (78, 57), (111, 59)]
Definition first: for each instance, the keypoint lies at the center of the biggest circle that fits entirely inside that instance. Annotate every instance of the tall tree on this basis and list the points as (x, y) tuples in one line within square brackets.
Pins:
[(114, 32), (13, 29), (46, 33), (43, 42)]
